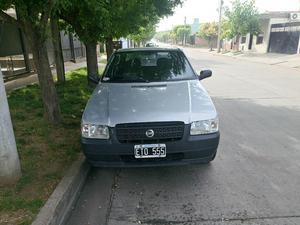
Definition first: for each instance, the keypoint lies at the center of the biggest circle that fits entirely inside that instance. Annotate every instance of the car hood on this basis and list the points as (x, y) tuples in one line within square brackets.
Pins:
[(114, 103)]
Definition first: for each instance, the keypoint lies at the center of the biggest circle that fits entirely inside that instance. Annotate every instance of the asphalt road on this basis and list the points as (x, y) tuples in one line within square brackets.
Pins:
[(255, 178)]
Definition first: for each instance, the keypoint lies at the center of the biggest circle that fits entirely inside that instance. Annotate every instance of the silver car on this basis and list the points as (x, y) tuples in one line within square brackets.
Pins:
[(150, 109)]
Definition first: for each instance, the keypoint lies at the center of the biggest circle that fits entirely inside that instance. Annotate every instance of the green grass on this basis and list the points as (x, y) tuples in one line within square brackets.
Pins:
[(45, 151)]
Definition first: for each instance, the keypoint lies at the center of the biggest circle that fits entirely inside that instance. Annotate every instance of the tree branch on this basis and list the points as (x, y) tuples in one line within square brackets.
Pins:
[(9, 19), (48, 9)]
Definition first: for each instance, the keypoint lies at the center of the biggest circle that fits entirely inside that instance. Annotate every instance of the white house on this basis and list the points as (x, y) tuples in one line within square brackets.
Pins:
[(280, 34)]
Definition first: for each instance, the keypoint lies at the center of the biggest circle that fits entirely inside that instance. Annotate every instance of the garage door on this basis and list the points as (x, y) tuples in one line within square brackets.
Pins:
[(284, 38)]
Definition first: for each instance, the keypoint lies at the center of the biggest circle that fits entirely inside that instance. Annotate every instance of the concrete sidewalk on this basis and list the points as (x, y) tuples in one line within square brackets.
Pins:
[(285, 60), (291, 61), (32, 79)]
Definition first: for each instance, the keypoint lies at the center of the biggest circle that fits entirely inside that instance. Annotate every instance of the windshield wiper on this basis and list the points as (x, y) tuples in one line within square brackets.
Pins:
[(142, 80)]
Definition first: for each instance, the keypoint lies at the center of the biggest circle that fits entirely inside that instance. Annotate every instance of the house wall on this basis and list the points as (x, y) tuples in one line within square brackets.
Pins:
[(260, 48), (299, 46), (244, 46), (200, 42), (263, 47), (227, 45), (266, 32)]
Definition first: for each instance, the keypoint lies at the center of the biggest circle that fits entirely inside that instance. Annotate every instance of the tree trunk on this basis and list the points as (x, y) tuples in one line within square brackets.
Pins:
[(91, 59), (49, 95), (109, 47), (25, 52), (36, 35), (237, 41), (10, 170), (210, 44), (56, 41), (73, 57)]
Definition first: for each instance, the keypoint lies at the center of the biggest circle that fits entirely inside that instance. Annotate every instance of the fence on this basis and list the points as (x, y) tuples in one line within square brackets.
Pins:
[(15, 54)]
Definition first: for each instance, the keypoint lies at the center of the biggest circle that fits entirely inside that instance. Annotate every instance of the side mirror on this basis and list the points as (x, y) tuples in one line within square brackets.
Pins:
[(93, 79), (205, 74)]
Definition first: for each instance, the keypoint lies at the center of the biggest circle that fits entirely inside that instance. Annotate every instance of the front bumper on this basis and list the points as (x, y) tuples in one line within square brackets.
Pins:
[(188, 150)]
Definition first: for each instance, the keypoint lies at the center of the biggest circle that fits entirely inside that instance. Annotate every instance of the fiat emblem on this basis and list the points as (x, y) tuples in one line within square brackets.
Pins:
[(150, 133)]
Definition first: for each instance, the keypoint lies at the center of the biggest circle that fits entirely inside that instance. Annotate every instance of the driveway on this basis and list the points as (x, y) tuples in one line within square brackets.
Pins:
[(255, 178)]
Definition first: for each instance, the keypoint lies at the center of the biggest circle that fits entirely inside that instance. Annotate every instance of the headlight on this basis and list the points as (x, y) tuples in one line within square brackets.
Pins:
[(94, 131), (204, 127)]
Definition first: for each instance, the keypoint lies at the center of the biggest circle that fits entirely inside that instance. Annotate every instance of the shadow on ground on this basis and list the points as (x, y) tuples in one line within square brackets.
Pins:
[(253, 180)]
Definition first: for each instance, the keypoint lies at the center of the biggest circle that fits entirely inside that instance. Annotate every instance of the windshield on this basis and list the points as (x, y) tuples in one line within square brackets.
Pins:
[(149, 66)]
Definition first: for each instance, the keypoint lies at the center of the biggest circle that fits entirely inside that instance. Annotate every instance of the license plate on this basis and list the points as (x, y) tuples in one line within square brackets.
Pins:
[(150, 151)]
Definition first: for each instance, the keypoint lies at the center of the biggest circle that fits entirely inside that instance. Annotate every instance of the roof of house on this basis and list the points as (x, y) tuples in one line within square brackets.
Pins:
[(277, 14)]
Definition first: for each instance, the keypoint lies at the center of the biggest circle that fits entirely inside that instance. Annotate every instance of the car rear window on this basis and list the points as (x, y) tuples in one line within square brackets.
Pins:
[(148, 66)]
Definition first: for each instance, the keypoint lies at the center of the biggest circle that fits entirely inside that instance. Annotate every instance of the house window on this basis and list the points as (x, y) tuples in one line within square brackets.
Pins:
[(259, 39), (243, 41)]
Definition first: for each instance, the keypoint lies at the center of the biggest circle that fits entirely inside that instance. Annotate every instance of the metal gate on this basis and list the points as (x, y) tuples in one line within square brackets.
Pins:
[(71, 46), (13, 57), (15, 54), (284, 38)]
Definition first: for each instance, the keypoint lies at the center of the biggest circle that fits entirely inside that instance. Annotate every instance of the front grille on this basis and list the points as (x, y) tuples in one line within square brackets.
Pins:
[(136, 132)]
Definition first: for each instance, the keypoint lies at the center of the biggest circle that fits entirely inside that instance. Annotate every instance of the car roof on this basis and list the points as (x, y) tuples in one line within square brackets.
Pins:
[(147, 49)]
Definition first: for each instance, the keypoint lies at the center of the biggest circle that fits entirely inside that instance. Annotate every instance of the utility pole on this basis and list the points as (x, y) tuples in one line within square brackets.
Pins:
[(219, 26), (184, 37), (10, 170)]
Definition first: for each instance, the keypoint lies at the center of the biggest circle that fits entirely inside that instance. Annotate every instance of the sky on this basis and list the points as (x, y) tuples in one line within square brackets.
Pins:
[(206, 11)]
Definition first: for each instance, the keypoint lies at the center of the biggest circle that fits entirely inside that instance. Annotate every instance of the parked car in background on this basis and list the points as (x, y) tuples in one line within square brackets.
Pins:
[(150, 109), (150, 44)]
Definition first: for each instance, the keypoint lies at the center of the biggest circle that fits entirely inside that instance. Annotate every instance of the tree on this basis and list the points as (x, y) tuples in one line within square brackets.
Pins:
[(10, 170), (88, 19), (209, 32), (181, 32), (58, 55), (173, 37), (243, 18), (143, 34), (174, 34), (32, 18), (225, 31), (98, 20), (143, 16), (163, 36)]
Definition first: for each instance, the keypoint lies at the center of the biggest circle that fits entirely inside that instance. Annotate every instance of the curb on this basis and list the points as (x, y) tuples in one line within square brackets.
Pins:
[(58, 207)]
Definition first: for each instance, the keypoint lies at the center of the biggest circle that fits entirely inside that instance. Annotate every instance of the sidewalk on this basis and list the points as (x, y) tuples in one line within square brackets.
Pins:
[(32, 79), (292, 61)]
